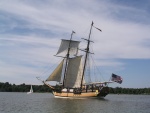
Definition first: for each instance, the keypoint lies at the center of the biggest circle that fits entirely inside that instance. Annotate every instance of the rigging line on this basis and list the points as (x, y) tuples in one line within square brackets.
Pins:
[(93, 72), (93, 69), (92, 57), (88, 68)]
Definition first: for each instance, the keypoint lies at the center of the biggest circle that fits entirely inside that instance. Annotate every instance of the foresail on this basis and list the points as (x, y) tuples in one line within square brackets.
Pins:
[(65, 45), (56, 75), (73, 77)]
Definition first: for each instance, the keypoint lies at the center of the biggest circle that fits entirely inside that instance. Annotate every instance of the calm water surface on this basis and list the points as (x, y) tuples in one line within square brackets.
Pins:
[(46, 103)]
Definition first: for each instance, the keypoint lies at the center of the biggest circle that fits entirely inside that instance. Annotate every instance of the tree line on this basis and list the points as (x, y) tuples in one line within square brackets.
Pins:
[(7, 87), (119, 90)]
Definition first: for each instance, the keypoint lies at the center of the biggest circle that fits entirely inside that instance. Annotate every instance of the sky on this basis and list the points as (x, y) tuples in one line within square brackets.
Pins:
[(31, 31)]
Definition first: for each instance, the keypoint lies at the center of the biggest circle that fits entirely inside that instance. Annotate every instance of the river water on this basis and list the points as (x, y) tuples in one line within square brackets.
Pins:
[(46, 103)]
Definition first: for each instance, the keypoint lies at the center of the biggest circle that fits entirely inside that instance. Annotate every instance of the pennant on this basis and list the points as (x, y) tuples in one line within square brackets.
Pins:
[(116, 78), (98, 28), (73, 32)]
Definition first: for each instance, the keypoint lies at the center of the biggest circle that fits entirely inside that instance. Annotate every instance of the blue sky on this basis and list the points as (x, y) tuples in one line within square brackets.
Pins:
[(31, 30)]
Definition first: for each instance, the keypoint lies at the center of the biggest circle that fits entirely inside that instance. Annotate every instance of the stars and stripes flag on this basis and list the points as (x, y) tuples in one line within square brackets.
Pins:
[(116, 78)]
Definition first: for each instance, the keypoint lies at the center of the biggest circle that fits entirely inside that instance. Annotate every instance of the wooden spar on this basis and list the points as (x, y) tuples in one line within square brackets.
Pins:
[(45, 83), (67, 58), (87, 52), (48, 85)]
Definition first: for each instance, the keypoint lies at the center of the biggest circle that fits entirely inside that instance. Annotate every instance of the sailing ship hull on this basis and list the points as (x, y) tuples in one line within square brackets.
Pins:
[(84, 94)]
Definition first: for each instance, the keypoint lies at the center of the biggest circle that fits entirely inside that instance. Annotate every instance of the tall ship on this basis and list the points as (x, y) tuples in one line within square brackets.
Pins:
[(70, 72)]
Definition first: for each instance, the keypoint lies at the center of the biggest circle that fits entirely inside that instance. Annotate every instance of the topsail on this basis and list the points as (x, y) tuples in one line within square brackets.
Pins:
[(65, 45)]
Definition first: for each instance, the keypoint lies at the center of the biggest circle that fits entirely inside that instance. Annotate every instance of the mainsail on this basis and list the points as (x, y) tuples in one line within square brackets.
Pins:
[(74, 72), (65, 45), (56, 75)]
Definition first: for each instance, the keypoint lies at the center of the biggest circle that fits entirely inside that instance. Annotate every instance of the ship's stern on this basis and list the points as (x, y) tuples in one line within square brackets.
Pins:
[(103, 92)]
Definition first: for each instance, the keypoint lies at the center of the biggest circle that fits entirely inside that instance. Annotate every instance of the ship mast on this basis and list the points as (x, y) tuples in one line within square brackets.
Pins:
[(67, 59), (87, 52)]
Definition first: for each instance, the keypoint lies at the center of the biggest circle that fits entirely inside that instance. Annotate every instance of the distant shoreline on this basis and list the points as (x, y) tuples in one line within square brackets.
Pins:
[(7, 87)]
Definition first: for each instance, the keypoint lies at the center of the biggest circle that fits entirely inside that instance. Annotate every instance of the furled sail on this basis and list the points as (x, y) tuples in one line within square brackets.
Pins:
[(74, 72), (56, 75), (65, 45)]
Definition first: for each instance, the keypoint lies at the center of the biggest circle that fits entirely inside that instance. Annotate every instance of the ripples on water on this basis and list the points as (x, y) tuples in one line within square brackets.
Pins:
[(46, 103)]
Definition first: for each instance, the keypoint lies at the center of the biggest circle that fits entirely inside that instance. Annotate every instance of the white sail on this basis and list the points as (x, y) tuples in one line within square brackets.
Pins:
[(79, 76), (31, 90), (74, 72), (56, 75), (65, 45)]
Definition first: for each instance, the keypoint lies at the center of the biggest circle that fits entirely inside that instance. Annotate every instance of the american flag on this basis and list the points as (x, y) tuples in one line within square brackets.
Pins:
[(116, 78)]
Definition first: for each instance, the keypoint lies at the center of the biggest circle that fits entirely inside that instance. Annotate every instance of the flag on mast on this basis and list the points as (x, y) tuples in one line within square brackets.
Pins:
[(96, 27), (116, 78), (73, 32)]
